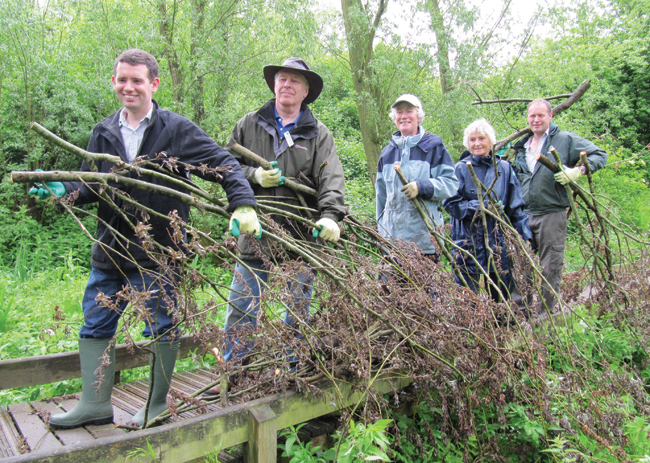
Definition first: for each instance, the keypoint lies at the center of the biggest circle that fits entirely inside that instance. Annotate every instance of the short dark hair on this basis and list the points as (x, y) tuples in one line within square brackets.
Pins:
[(134, 57), (541, 100)]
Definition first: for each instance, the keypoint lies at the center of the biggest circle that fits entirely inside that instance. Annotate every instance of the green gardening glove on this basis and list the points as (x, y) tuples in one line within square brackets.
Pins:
[(43, 193), (244, 220)]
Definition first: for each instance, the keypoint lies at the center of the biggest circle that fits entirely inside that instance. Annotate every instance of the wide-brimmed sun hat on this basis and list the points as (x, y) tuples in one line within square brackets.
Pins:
[(296, 65)]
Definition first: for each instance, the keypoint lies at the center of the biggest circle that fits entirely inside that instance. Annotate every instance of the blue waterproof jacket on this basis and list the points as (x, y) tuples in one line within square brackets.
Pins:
[(468, 233), (430, 165)]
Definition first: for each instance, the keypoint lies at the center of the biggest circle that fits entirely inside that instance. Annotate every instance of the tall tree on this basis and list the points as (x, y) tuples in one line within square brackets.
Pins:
[(361, 22), (461, 32)]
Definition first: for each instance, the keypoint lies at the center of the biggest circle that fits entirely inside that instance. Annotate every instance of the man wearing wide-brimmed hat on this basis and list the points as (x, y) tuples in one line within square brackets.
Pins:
[(284, 131)]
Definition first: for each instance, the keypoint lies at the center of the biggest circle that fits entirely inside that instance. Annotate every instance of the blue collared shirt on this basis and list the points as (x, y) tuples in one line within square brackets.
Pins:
[(282, 129), (133, 137)]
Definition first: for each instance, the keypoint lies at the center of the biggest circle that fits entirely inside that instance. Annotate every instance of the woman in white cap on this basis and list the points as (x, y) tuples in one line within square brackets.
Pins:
[(429, 170)]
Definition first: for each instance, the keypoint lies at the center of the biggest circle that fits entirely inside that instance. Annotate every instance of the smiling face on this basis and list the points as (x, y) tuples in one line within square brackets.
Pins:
[(539, 118), (134, 89), (290, 88), (479, 144), (407, 120)]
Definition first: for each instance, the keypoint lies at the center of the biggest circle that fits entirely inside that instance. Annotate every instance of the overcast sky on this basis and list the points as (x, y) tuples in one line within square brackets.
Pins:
[(416, 29)]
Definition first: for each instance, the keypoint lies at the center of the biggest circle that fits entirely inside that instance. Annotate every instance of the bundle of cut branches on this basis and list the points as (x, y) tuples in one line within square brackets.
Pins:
[(381, 309)]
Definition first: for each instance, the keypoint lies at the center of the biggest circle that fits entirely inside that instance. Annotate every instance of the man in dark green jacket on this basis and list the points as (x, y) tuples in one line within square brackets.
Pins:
[(544, 192), (283, 131)]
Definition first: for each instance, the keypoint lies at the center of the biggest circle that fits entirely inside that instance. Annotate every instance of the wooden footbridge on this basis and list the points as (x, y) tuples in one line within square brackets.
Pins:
[(25, 436)]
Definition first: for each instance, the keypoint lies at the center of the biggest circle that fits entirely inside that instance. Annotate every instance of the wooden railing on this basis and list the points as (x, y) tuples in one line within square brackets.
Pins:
[(45, 369)]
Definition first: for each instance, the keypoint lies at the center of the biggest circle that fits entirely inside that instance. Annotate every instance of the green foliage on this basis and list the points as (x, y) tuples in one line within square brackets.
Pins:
[(37, 246), (419, 440), (599, 350), (138, 453), (300, 452), (637, 447), (361, 443), (41, 315), (637, 432), (601, 341), (213, 457)]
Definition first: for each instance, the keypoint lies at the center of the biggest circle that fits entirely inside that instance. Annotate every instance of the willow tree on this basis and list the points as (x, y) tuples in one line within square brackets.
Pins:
[(361, 22), (206, 55), (463, 33)]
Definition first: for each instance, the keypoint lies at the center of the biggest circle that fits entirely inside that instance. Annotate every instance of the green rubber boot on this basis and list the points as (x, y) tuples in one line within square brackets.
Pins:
[(94, 407), (161, 373)]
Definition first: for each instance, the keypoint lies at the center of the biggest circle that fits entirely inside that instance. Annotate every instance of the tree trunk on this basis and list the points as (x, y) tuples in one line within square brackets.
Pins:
[(167, 25), (196, 94), (442, 41), (360, 30)]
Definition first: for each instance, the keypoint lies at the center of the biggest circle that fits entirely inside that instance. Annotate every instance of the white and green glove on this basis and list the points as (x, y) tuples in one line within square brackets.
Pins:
[(411, 190), (568, 174), (244, 220), (269, 178), (329, 230)]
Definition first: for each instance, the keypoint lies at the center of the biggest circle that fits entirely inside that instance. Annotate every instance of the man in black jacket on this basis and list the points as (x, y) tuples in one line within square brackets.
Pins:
[(119, 259)]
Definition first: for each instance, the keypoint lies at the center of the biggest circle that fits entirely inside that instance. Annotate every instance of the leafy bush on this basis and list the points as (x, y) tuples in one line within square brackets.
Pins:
[(361, 443)]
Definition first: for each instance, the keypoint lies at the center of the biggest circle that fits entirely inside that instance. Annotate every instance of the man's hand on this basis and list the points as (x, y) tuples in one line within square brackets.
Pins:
[(269, 178), (411, 190), (330, 230), (42, 193), (568, 174), (244, 219)]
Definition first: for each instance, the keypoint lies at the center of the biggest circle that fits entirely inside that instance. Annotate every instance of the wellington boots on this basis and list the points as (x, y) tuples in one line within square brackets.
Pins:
[(159, 380), (94, 407)]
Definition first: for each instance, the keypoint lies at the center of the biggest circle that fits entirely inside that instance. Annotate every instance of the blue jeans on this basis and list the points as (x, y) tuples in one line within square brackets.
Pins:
[(101, 321), (244, 303)]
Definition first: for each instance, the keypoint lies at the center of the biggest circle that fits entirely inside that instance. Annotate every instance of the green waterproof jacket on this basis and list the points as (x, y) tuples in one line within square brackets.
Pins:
[(312, 154), (542, 193)]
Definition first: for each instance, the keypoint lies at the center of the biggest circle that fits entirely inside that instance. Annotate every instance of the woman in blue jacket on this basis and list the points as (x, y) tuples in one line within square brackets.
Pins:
[(467, 226), (428, 167)]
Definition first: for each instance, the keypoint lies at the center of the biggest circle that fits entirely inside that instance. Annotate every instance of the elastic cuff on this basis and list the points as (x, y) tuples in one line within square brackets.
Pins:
[(235, 205)]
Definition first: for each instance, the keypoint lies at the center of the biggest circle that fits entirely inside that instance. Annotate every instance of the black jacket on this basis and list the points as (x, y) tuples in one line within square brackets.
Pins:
[(179, 138)]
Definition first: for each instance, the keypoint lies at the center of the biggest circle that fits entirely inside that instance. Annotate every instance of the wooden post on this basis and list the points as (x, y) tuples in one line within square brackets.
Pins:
[(262, 436)]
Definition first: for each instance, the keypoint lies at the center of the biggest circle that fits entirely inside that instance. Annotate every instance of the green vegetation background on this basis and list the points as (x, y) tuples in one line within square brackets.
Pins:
[(56, 63)]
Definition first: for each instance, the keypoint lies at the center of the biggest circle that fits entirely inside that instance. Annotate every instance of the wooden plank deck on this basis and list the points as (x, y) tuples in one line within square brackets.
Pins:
[(25, 437), (24, 429), (189, 439)]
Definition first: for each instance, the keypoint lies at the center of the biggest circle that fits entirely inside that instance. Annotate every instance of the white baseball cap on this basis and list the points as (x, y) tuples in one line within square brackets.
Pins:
[(408, 98)]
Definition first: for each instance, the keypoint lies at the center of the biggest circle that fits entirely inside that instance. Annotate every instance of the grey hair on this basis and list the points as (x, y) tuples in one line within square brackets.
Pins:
[(304, 79), (402, 105), (481, 126)]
